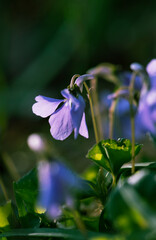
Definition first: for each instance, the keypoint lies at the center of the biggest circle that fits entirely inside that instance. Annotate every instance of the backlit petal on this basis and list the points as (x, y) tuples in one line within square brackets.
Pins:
[(83, 131), (151, 68), (77, 109), (61, 122), (45, 106)]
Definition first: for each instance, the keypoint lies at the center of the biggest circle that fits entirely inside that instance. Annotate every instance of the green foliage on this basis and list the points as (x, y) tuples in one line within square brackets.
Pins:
[(108, 212), (40, 42), (131, 207), (26, 190), (59, 233), (112, 154), (6, 216)]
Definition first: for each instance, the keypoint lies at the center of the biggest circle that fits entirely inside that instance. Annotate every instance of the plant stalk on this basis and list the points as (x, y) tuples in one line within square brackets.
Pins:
[(73, 80), (79, 223), (4, 190), (96, 107), (10, 166), (111, 118), (92, 113), (132, 116)]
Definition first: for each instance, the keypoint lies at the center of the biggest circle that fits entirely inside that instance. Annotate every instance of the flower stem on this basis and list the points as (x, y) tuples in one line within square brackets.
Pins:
[(73, 80), (10, 166), (96, 107), (3, 189), (92, 113), (111, 117), (114, 180), (79, 223), (132, 116)]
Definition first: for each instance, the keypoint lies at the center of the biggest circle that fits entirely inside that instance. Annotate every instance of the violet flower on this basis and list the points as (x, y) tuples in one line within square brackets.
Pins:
[(147, 105), (151, 70), (65, 115), (58, 186), (125, 79), (147, 112)]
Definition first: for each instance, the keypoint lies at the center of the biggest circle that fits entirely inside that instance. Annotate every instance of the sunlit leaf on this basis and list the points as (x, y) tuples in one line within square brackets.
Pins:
[(5, 212), (112, 154)]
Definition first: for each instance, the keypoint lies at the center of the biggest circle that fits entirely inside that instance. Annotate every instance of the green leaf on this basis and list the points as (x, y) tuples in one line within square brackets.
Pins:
[(128, 209), (91, 223), (91, 173), (112, 154), (126, 170), (143, 235), (5, 213), (60, 233), (144, 182), (26, 191), (8, 217)]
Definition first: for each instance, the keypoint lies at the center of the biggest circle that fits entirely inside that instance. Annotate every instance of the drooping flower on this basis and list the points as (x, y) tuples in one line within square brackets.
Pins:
[(58, 186), (122, 124), (125, 79), (65, 115), (147, 112), (147, 105), (136, 67), (151, 70)]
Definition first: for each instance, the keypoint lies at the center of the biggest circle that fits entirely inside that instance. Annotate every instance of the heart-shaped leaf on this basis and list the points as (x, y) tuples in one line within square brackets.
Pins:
[(112, 154)]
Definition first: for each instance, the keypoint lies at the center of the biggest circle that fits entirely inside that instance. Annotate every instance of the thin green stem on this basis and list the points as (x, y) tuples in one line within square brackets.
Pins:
[(73, 80), (133, 144), (79, 223), (111, 118), (114, 180), (132, 116), (3, 189), (96, 107), (10, 166), (92, 113)]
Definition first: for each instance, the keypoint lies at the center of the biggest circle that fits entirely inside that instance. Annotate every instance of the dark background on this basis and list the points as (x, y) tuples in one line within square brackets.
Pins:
[(42, 45)]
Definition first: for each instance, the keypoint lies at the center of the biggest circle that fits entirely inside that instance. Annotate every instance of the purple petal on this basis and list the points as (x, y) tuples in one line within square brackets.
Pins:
[(145, 115), (151, 68), (79, 81), (136, 67), (151, 98), (66, 94), (54, 211), (61, 122), (123, 107), (77, 109), (83, 131), (45, 106), (44, 174)]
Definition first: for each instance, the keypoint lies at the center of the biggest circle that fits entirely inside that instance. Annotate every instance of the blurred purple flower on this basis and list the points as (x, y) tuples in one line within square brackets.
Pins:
[(124, 93), (57, 186), (151, 70), (125, 78), (136, 67), (147, 112), (146, 115), (63, 118), (145, 118)]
